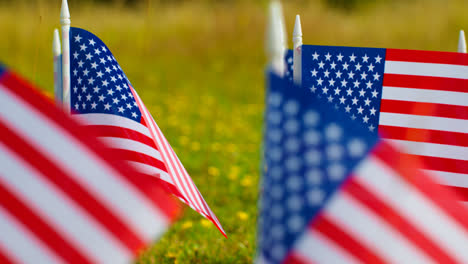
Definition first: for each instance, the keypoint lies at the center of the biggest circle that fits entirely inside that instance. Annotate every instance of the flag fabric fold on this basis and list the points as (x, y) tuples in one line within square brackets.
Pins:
[(415, 99), (334, 193), (103, 97), (63, 198)]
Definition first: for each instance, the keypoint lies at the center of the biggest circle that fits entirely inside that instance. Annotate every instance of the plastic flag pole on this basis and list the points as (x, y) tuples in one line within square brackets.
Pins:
[(57, 53), (65, 23), (297, 45), (462, 42), (276, 38)]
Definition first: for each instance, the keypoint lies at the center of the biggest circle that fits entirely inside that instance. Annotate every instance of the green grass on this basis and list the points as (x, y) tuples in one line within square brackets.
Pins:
[(199, 69)]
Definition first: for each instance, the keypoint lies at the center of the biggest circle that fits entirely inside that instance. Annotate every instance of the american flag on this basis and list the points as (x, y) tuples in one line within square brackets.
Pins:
[(103, 97), (332, 193), (62, 199), (416, 99)]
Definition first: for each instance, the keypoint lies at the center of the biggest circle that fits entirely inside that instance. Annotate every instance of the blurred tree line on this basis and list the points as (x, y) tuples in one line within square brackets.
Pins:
[(339, 4)]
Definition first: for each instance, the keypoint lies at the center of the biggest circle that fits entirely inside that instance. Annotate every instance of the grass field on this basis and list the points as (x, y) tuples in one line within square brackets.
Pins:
[(200, 69)]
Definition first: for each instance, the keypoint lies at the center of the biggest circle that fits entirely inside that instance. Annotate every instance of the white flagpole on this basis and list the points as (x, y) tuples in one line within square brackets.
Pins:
[(65, 23), (462, 42), (276, 38), (57, 52), (297, 42)]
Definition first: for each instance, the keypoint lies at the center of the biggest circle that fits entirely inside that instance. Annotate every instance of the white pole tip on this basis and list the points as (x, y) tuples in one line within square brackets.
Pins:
[(56, 43), (64, 12), (297, 27), (462, 42)]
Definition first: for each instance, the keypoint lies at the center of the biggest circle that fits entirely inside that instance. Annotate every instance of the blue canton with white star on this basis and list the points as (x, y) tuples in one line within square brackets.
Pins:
[(98, 84), (348, 78), (310, 150), (289, 62)]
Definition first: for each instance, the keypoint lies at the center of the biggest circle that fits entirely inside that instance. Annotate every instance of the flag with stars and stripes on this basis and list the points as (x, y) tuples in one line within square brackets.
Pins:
[(332, 193), (102, 96), (416, 99), (63, 199)]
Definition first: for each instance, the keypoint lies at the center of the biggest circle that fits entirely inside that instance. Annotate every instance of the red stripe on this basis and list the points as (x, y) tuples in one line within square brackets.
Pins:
[(407, 167), (426, 82), (45, 106), (400, 224), (426, 56), (295, 258), (74, 190), (123, 154), (424, 109), (424, 135), (39, 227), (344, 240), (5, 258), (443, 164), (121, 132), (461, 192)]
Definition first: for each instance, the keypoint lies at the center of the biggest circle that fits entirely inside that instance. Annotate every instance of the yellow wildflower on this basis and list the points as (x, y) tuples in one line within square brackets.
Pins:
[(187, 225), (242, 215), (213, 171), (195, 146), (247, 181), (205, 223)]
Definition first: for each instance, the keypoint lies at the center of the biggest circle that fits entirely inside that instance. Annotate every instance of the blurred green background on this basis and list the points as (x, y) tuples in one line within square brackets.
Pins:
[(199, 67)]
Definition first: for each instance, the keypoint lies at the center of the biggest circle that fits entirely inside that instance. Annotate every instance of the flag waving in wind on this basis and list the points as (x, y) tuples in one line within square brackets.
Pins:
[(332, 193), (102, 95), (63, 199), (416, 99)]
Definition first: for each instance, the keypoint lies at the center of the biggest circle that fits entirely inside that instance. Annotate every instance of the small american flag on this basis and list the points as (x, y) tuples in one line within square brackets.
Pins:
[(62, 199), (332, 193), (103, 97), (416, 99)]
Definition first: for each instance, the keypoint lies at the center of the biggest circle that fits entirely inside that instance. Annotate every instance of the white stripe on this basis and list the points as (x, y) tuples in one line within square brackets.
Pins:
[(100, 180), (372, 231), (112, 120), (432, 149), (426, 69), (449, 178), (132, 145), (150, 170), (174, 170), (425, 96), (411, 204), (424, 122), (21, 244), (60, 212), (317, 248)]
